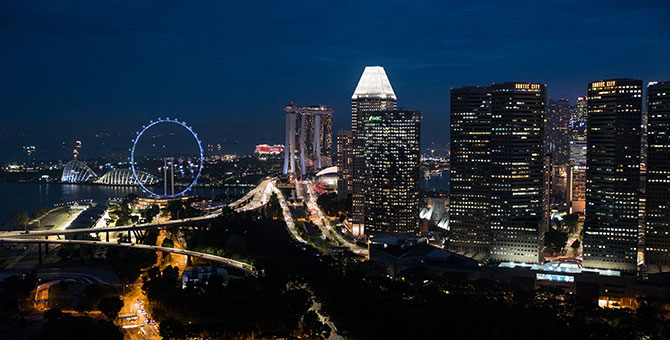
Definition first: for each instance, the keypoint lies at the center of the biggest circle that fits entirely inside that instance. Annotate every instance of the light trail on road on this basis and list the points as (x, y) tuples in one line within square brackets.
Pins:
[(218, 259)]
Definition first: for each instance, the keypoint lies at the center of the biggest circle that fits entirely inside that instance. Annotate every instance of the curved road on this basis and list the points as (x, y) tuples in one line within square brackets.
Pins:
[(260, 195), (288, 219), (256, 198), (222, 260), (18, 234)]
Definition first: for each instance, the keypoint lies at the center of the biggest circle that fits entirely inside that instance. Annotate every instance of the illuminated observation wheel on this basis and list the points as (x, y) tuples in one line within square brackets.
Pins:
[(132, 157)]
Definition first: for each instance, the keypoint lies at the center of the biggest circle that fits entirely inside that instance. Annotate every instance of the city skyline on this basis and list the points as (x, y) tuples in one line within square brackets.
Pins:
[(141, 78), (287, 170)]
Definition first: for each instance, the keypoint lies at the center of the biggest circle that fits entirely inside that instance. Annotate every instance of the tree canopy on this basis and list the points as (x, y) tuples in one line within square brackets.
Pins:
[(110, 306)]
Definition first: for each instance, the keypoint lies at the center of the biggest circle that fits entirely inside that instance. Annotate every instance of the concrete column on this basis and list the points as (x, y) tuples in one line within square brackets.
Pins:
[(164, 177), (172, 175), (292, 142), (302, 144), (286, 144), (317, 140), (39, 252)]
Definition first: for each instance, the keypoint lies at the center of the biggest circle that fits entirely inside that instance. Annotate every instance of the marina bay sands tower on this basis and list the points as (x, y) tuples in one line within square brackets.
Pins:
[(309, 138)]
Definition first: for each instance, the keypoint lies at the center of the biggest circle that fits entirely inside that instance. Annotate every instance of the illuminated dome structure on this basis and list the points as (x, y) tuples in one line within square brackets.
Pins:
[(76, 171), (326, 180), (126, 177)]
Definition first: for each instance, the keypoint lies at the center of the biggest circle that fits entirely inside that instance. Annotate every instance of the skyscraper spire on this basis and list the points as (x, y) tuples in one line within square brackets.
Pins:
[(374, 84)]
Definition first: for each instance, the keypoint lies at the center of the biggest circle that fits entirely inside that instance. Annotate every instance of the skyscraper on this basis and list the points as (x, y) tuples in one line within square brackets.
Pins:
[(576, 194), (309, 133), (391, 175), (557, 132), (578, 120), (657, 230), (469, 186), (345, 146), (372, 94), (547, 189), (613, 174), (517, 171), (576, 183)]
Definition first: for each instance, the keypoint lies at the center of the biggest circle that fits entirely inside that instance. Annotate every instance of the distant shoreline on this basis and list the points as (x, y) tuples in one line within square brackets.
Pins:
[(129, 185)]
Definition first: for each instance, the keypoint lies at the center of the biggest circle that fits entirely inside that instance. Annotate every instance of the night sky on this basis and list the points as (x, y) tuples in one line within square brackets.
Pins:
[(70, 69)]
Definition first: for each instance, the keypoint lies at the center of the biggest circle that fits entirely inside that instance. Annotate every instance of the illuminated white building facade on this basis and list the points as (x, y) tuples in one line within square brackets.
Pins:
[(126, 177), (309, 138), (76, 171)]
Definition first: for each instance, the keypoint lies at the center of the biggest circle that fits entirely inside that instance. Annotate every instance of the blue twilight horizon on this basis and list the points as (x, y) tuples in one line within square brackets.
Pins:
[(71, 69)]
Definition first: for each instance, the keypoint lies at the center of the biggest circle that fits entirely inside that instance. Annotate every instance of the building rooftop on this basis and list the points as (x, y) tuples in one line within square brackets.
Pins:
[(374, 84), (327, 171), (419, 251)]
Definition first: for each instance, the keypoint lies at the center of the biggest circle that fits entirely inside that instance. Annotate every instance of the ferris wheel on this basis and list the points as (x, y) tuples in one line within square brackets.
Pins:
[(168, 162)]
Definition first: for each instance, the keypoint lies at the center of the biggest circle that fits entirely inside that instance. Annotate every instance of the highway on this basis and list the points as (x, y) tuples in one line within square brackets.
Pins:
[(256, 198), (56, 219), (218, 259), (261, 195), (316, 215), (135, 320), (244, 198), (287, 214), (53, 232), (319, 219), (59, 218), (137, 323)]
